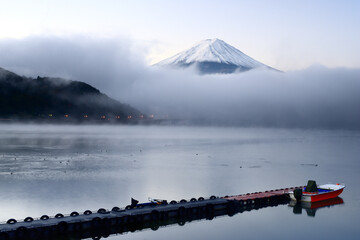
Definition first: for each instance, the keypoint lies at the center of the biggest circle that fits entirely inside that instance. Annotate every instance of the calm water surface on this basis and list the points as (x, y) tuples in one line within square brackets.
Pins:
[(48, 169)]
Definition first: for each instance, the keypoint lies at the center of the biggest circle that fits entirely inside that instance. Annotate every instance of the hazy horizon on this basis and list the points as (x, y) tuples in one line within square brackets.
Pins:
[(317, 96)]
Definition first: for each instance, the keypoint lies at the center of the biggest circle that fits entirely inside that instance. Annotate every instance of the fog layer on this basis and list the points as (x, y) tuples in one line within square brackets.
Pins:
[(314, 97)]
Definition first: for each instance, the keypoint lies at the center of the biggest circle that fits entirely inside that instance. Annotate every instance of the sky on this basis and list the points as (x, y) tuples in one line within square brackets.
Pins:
[(287, 35)]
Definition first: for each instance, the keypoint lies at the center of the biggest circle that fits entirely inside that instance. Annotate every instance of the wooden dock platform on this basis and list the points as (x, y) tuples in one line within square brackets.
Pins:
[(261, 195)]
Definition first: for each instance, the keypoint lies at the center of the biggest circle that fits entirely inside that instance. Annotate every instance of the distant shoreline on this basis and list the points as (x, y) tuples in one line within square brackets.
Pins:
[(92, 121)]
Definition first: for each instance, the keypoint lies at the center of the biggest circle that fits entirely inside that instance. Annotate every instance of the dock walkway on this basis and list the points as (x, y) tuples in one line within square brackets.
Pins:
[(262, 195)]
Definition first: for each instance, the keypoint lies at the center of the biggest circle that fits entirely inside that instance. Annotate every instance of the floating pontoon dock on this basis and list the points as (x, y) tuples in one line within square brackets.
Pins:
[(105, 222)]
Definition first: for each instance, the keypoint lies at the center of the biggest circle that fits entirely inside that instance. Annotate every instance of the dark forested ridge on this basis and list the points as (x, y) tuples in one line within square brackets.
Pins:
[(56, 98)]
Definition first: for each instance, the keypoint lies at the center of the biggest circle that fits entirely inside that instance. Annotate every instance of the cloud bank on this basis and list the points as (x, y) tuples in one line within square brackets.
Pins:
[(316, 97)]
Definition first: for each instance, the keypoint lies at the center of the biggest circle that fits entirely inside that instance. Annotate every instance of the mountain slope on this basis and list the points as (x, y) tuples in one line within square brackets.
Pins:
[(213, 56), (41, 97)]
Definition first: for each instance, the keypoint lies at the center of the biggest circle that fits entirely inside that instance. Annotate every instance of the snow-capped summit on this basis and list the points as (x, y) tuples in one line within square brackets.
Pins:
[(213, 56)]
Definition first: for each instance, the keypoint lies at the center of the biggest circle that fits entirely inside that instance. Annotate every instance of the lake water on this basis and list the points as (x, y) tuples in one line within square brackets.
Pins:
[(47, 169)]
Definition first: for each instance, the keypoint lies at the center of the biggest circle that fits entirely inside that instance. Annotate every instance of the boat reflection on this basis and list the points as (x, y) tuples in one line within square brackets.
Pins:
[(312, 207)]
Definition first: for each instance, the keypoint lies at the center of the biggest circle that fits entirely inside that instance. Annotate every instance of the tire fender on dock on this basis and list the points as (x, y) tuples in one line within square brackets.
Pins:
[(101, 210), (46, 232), (74, 214), (4, 236), (209, 208), (154, 215), (164, 215), (62, 227), (115, 209), (96, 222), (28, 219), (34, 233), (231, 205), (182, 212), (11, 221), (77, 227), (44, 217), (21, 233), (88, 212)]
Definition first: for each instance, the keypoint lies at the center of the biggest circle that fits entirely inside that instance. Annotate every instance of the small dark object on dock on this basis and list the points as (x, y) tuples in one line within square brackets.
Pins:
[(298, 194)]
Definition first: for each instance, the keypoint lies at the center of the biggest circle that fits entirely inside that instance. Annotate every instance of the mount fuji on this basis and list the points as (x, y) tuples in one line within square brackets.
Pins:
[(213, 56)]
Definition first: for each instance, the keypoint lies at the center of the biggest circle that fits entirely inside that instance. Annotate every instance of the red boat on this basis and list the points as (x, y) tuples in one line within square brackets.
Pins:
[(315, 193)]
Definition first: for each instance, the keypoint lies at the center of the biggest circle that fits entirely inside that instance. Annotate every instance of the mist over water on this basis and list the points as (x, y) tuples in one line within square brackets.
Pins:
[(317, 97)]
